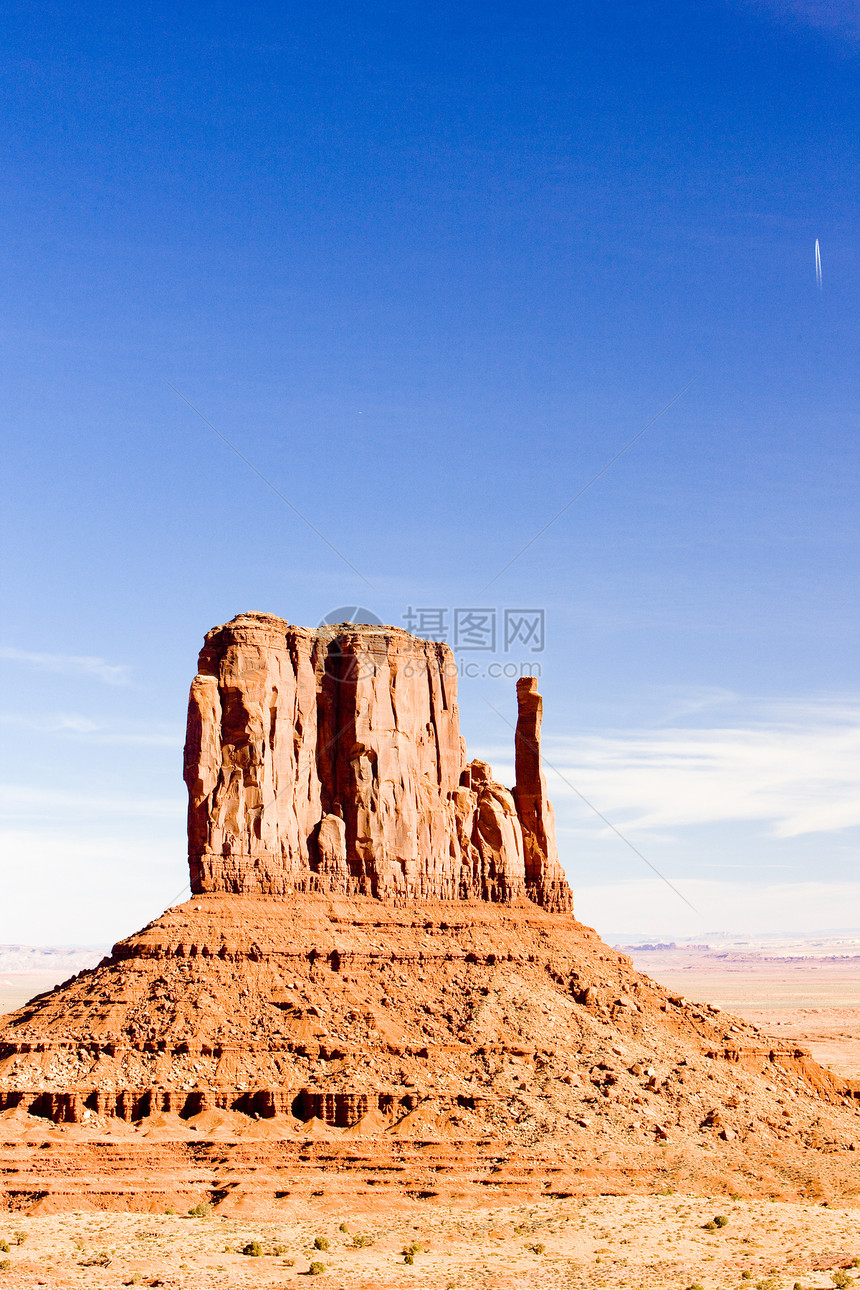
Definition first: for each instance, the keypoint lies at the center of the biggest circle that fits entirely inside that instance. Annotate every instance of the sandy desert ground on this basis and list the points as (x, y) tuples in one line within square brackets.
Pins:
[(646, 1242)]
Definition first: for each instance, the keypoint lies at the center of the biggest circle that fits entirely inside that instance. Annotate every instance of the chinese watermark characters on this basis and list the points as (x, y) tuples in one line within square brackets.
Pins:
[(480, 628)]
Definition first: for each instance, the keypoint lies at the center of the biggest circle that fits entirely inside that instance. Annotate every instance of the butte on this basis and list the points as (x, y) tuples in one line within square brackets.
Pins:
[(378, 989)]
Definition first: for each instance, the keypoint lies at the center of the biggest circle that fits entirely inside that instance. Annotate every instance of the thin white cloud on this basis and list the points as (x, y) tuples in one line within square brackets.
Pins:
[(69, 665), (25, 801), (132, 737), (841, 16), (644, 906), (689, 700), (795, 770), (72, 723)]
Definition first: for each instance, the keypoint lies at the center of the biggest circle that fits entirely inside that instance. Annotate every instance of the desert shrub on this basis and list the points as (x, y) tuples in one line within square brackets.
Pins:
[(278, 1250), (170, 1210), (721, 1221), (416, 1248), (537, 1249), (767, 1284), (840, 1279), (203, 1210), (408, 1258), (317, 1269), (695, 1286), (359, 1242), (4, 1246), (710, 1226), (321, 1243), (253, 1249), (100, 1260), (343, 1228), (5, 1265), (797, 1286)]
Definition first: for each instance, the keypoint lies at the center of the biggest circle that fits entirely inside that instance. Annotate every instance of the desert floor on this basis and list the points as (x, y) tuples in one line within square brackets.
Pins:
[(17, 988), (639, 1241), (811, 999)]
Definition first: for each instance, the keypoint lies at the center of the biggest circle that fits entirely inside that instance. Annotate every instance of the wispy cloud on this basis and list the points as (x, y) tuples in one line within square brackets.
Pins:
[(842, 16), (25, 801), (69, 665), (72, 723), (793, 767), (641, 906)]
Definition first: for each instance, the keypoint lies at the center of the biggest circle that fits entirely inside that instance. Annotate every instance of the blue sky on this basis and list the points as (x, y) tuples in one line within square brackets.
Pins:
[(428, 269)]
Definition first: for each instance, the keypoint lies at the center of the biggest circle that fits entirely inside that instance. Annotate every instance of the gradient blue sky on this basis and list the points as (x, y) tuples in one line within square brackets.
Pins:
[(429, 268)]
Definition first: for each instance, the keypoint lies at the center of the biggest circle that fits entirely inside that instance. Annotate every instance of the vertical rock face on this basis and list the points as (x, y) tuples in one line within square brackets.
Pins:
[(332, 760), (250, 763)]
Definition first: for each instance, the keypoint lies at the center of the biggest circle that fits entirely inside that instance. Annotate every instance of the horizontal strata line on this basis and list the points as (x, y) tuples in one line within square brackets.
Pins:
[(112, 1048), (255, 951), (358, 1089)]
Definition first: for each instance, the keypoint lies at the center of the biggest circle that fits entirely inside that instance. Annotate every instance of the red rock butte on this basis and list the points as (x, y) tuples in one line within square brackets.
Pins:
[(378, 987), (332, 760)]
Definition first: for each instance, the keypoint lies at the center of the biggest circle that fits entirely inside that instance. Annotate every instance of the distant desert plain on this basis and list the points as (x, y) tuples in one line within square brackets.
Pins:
[(801, 988)]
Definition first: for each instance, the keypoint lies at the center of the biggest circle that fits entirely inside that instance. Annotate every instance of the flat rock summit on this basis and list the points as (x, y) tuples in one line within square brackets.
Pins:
[(378, 987)]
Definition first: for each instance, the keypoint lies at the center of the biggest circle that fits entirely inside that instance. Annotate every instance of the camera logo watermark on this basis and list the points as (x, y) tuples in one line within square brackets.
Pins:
[(351, 614)]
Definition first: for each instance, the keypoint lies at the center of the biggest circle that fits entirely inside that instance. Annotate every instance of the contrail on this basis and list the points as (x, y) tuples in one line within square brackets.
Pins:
[(817, 265)]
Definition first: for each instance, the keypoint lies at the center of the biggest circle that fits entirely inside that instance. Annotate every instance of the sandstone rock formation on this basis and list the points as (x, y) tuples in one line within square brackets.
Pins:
[(377, 988), (331, 760)]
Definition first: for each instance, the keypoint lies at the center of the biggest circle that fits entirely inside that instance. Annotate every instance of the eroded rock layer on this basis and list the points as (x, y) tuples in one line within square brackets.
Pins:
[(431, 1046), (331, 760)]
